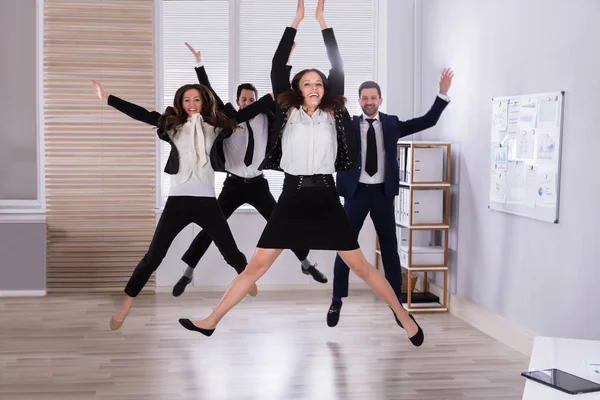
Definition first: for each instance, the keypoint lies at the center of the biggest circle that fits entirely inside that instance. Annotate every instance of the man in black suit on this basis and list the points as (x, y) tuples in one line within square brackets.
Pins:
[(241, 154), (372, 186)]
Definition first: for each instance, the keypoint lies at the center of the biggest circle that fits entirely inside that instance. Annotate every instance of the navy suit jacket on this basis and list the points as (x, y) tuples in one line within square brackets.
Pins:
[(393, 130)]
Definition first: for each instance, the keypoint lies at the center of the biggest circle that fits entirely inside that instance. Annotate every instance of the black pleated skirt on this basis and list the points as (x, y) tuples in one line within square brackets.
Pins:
[(309, 215)]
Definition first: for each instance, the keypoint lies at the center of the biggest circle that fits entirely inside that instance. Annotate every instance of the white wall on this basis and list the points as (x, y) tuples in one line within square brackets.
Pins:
[(541, 276), (398, 96)]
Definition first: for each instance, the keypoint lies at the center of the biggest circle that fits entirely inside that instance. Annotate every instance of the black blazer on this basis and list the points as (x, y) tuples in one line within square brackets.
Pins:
[(151, 118), (281, 83), (393, 129), (217, 158)]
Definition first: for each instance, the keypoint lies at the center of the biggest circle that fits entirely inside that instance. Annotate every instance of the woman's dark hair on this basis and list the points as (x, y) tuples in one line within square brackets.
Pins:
[(175, 116), (293, 98)]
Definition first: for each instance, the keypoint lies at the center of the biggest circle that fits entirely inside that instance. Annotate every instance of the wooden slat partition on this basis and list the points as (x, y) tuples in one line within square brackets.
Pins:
[(99, 164)]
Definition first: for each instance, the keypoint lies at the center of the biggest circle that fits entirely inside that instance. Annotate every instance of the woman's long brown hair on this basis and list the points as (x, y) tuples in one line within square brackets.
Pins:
[(175, 116), (293, 97)]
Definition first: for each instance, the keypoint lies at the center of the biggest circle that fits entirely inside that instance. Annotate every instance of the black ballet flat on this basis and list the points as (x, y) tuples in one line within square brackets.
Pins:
[(419, 337), (187, 324)]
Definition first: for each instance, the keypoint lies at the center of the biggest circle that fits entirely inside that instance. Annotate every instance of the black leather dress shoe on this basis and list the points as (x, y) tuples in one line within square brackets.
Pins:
[(180, 285), (315, 273), (333, 315)]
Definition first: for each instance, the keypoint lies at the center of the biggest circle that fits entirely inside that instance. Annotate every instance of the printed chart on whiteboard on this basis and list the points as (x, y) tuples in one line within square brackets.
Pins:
[(526, 141)]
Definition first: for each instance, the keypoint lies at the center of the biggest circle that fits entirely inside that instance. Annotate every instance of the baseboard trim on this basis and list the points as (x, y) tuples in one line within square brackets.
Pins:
[(22, 216), (489, 323), (22, 293)]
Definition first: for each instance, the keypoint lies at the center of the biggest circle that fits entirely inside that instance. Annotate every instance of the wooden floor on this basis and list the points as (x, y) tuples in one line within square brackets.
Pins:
[(276, 346)]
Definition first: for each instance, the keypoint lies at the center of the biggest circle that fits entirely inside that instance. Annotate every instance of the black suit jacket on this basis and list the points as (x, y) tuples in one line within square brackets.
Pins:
[(393, 129)]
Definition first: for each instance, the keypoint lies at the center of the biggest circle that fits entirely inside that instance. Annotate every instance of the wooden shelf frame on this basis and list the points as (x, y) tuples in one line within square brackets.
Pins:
[(426, 270)]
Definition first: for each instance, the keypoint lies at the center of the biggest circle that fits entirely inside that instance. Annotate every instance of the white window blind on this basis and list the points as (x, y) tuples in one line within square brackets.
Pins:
[(205, 25)]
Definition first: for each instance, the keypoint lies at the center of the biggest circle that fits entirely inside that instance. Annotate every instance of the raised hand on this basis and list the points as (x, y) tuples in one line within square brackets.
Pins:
[(299, 14), (319, 14), (446, 80), (195, 53), (100, 91)]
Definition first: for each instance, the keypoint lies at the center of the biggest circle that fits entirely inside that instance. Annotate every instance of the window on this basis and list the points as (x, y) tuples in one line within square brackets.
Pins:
[(237, 39)]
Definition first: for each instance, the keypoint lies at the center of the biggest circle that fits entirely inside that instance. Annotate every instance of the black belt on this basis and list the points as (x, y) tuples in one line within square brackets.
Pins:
[(303, 181), (245, 180)]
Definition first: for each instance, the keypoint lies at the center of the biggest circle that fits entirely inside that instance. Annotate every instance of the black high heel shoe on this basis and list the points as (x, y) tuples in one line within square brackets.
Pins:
[(418, 337), (187, 324)]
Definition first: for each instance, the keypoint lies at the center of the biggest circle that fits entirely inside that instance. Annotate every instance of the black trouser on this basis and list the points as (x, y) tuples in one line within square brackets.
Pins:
[(237, 191), (179, 212)]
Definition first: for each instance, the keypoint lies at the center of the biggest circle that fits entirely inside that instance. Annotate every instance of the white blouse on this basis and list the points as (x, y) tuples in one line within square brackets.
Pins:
[(309, 144), (195, 177)]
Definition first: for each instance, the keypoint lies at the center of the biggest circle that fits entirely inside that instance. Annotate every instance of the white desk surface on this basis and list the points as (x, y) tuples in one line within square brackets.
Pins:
[(565, 354)]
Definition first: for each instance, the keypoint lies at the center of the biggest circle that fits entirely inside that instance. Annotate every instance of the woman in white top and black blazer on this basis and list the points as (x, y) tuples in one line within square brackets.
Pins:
[(311, 143), (191, 127)]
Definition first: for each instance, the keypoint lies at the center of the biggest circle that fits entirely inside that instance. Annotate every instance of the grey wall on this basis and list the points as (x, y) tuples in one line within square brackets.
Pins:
[(22, 256), (22, 244), (541, 276), (18, 138)]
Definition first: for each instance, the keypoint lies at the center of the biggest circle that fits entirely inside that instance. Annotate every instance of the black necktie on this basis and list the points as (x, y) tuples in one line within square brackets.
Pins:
[(250, 148), (371, 161)]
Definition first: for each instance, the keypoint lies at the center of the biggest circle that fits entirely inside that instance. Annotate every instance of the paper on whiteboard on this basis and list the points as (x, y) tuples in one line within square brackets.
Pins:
[(500, 116), (515, 177), (525, 144), (546, 148), (499, 153), (511, 149), (547, 113), (498, 187), (546, 192), (531, 185), (514, 109), (528, 113)]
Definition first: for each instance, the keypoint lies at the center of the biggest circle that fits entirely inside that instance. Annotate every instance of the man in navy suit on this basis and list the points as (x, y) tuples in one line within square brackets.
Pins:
[(372, 186)]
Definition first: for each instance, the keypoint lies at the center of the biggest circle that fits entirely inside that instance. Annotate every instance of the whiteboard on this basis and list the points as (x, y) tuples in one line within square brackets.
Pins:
[(525, 155)]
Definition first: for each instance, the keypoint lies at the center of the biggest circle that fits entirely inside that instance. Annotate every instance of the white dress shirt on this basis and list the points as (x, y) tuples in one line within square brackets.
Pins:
[(195, 177), (235, 147), (309, 144), (379, 176)]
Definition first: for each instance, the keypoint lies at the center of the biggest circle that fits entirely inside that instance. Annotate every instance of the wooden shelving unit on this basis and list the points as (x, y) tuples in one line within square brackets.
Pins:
[(423, 220)]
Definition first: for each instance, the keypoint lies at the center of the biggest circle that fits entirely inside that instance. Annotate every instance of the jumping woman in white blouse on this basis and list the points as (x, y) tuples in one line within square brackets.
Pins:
[(191, 127), (313, 139)]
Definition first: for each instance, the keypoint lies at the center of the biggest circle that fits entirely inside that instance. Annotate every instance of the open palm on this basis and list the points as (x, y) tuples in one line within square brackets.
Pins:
[(446, 80)]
